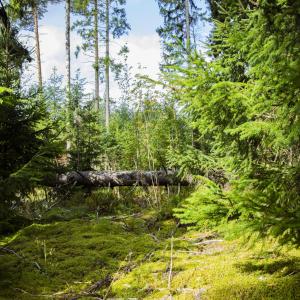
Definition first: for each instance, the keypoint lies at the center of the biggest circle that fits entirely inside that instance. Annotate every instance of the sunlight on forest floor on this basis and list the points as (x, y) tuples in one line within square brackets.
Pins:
[(129, 257)]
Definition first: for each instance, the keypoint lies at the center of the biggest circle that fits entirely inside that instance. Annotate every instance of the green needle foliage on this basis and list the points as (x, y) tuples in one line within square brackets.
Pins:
[(245, 103), (27, 139)]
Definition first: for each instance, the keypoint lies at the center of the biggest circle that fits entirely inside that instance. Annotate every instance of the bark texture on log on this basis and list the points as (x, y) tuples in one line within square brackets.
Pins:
[(120, 178)]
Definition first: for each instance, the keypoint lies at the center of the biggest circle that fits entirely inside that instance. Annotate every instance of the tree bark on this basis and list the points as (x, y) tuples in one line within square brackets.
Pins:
[(68, 67), (37, 46), (107, 63), (188, 27), (118, 178), (96, 46), (68, 52)]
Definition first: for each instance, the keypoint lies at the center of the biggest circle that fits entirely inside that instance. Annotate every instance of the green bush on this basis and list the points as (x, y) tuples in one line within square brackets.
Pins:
[(206, 208)]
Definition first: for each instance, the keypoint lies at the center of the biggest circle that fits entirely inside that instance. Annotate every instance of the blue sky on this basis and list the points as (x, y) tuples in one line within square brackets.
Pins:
[(143, 16), (143, 42)]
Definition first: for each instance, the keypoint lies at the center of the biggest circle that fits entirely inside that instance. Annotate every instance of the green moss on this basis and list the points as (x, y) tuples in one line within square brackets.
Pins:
[(64, 214), (65, 258), (67, 253), (218, 271)]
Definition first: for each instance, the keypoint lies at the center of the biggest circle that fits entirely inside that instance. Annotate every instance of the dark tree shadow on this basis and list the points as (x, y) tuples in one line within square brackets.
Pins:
[(284, 266)]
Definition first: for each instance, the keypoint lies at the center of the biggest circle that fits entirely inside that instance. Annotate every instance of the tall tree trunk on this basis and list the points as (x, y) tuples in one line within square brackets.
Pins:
[(188, 27), (37, 46), (68, 51), (68, 67), (107, 63), (96, 63)]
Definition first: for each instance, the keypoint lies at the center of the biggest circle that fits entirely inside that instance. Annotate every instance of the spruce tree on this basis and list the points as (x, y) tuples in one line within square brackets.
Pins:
[(244, 102), (27, 143)]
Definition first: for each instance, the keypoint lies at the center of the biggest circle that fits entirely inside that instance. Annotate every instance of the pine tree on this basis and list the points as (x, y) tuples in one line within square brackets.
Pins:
[(179, 17), (88, 28), (27, 146), (113, 16), (68, 47), (12, 53), (115, 23), (28, 13), (107, 63)]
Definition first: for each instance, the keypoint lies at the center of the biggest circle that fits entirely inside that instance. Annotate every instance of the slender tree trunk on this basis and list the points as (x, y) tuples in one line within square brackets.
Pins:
[(37, 46), (8, 76), (188, 27), (68, 67), (107, 63), (68, 51), (96, 64)]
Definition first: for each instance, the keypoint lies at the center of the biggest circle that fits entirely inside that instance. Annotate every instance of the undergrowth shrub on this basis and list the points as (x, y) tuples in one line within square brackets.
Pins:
[(208, 206), (167, 207)]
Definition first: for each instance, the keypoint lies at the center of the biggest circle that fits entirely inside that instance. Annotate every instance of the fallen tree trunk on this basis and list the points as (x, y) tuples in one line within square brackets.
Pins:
[(120, 178)]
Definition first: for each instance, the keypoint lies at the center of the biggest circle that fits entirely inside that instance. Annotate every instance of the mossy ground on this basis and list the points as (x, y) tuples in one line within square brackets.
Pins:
[(221, 270), (129, 257)]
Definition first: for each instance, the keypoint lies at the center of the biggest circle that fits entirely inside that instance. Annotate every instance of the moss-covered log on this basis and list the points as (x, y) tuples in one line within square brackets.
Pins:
[(120, 178)]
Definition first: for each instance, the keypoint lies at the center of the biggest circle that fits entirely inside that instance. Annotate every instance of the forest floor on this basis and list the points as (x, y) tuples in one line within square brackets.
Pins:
[(140, 256)]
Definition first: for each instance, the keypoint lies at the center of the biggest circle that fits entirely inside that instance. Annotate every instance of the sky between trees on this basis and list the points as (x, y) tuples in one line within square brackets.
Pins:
[(143, 42)]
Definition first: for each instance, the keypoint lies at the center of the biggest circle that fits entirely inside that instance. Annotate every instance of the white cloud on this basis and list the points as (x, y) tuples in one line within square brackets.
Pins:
[(52, 42), (144, 50)]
